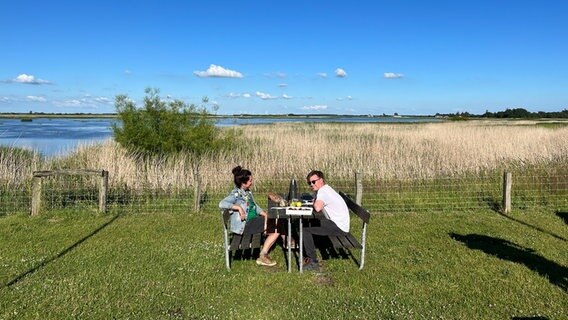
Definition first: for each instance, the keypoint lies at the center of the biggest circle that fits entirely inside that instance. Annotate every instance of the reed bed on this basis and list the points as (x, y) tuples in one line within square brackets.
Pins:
[(380, 151)]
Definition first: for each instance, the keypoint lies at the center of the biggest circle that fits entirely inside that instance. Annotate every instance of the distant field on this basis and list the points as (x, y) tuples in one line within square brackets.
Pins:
[(380, 151)]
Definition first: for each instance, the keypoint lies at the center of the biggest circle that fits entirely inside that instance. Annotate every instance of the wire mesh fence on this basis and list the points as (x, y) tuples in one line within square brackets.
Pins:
[(482, 191)]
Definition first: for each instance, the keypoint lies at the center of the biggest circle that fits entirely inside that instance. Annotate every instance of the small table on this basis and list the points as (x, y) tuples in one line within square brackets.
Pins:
[(292, 213)]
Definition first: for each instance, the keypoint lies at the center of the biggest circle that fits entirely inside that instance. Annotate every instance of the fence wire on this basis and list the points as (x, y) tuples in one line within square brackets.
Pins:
[(378, 196)]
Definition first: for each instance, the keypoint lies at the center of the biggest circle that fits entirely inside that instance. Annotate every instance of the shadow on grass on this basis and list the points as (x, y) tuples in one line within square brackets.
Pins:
[(493, 204), (563, 215), (533, 227), (496, 206), (246, 254), (506, 250), (61, 254)]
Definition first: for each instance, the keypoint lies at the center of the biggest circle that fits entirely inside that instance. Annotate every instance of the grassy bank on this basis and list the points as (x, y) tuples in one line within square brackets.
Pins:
[(459, 265)]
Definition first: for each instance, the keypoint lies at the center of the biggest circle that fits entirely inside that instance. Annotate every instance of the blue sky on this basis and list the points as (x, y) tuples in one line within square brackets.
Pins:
[(344, 57)]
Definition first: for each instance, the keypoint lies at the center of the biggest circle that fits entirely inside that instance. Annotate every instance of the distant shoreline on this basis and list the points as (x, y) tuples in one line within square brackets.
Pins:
[(31, 116), (57, 115), (242, 116)]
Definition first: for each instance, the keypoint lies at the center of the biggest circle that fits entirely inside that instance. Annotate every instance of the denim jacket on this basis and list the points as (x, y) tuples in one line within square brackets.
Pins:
[(238, 196)]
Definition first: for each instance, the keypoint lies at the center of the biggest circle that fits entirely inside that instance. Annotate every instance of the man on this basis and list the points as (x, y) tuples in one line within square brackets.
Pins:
[(336, 212)]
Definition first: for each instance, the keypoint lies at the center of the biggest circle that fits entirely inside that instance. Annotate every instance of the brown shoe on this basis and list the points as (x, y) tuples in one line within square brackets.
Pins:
[(264, 260)]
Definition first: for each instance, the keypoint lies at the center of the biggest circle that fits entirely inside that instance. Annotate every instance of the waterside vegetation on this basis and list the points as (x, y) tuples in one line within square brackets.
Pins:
[(381, 151)]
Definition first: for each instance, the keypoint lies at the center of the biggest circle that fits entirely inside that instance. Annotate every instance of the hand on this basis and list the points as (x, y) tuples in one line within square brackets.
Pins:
[(242, 213)]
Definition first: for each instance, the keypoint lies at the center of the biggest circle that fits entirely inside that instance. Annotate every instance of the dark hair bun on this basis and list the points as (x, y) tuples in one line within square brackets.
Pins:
[(237, 170)]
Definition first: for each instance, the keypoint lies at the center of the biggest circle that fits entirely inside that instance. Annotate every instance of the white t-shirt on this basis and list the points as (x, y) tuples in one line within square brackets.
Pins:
[(334, 206)]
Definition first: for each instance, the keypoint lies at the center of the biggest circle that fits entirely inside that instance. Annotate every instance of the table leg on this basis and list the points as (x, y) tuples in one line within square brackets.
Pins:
[(289, 239), (301, 246)]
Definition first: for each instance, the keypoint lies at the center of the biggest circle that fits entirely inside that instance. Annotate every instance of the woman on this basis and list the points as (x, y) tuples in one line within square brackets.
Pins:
[(247, 216)]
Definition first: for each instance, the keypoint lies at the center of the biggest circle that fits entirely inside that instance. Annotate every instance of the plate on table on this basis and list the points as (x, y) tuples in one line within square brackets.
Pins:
[(298, 211)]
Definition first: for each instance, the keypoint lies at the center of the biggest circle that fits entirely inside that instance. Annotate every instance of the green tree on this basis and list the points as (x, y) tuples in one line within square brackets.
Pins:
[(169, 127)]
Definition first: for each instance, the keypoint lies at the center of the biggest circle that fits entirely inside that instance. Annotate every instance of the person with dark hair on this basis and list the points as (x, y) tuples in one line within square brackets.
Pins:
[(336, 212), (248, 217)]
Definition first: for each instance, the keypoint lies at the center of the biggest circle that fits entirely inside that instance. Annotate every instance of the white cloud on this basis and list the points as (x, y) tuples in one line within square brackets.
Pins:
[(36, 98), (315, 107), (104, 100), (28, 79), (285, 96), (87, 101), (392, 75), (71, 103), (218, 71), (349, 98), (283, 85), (264, 96), (340, 73), (322, 74), (235, 95), (280, 75)]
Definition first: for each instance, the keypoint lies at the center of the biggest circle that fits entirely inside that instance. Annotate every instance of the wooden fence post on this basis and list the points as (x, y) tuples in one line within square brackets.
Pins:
[(358, 188), (197, 193), (507, 185), (36, 195), (39, 175), (103, 191)]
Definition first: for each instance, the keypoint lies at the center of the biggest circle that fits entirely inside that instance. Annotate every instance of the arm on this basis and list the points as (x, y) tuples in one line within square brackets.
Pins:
[(262, 213), (318, 205), (230, 202)]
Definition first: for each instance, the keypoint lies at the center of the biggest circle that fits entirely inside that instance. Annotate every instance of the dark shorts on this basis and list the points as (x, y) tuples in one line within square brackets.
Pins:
[(256, 225), (277, 226)]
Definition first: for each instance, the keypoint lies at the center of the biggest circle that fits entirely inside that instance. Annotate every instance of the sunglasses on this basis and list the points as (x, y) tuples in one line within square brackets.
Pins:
[(313, 182)]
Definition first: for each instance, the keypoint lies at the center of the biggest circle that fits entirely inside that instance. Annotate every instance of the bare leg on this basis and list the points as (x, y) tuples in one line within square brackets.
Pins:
[(270, 240)]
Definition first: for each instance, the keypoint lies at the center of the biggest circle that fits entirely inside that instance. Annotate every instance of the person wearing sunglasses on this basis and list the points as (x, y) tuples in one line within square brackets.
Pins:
[(336, 212), (248, 217)]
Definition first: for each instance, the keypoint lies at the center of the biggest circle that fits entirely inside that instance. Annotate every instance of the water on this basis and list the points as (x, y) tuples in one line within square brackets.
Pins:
[(51, 136), (59, 136)]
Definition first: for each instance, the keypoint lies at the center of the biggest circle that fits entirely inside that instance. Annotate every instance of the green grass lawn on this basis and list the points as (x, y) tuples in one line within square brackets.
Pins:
[(451, 265)]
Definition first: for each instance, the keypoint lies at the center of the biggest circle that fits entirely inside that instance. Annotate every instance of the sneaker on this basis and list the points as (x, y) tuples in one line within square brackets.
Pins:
[(310, 265), (264, 260)]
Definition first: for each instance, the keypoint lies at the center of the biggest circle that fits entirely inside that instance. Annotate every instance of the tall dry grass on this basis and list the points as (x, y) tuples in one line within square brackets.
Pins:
[(16, 166), (381, 151)]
